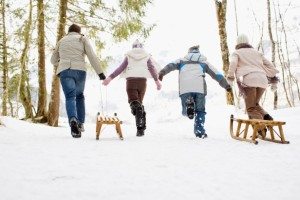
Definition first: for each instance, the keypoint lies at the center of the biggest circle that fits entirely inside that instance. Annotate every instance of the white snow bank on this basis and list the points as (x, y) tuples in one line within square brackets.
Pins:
[(41, 162)]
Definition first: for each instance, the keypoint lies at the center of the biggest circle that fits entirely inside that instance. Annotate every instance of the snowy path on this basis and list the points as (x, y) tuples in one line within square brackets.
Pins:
[(40, 162)]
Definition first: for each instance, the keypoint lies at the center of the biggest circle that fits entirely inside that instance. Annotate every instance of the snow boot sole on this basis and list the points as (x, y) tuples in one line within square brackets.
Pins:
[(190, 108), (75, 130), (140, 133), (202, 136)]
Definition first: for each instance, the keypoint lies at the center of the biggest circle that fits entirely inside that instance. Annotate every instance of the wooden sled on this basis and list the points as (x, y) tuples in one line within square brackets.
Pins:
[(108, 120), (243, 128)]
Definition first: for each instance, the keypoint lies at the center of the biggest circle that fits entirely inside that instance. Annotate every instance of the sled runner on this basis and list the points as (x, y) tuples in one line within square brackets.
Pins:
[(108, 120), (260, 128)]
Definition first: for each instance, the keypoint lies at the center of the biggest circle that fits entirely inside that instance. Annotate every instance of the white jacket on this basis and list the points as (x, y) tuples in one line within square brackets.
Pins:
[(137, 64)]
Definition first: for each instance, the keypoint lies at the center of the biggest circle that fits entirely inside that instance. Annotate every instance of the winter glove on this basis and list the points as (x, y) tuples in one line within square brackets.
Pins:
[(102, 76), (274, 87), (160, 77), (273, 80), (106, 81), (229, 89), (158, 85)]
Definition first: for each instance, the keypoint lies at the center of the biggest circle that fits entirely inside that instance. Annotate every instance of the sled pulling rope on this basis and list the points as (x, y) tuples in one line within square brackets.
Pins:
[(108, 120), (259, 128), (101, 119)]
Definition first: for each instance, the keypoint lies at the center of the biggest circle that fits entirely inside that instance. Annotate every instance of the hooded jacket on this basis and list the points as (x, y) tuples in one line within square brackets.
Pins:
[(137, 64), (192, 69), (252, 67)]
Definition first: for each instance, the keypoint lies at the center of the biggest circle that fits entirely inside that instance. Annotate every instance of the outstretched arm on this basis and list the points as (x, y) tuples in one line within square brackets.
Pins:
[(216, 75), (152, 69), (153, 73), (120, 69), (269, 67), (92, 56), (168, 68), (117, 71)]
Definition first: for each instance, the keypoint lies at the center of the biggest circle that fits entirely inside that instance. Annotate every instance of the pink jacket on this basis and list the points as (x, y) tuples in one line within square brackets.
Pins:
[(246, 60)]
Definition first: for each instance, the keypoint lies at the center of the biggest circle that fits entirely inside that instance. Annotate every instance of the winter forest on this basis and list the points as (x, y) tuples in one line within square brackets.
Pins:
[(177, 139)]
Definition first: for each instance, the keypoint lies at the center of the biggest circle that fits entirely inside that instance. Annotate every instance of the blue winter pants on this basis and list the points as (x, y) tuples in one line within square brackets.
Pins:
[(73, 82), (199, 100)]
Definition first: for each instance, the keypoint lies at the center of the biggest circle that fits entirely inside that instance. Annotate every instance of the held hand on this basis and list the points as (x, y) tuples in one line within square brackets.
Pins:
[(229, 89), (160, 77), (102, 76), (106, 81), (158, 85)]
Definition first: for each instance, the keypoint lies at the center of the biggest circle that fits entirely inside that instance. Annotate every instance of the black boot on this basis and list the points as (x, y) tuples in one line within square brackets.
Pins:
[(268, 117), (140, 123), (137, 109), (75, 132), (134, 105), (140, 132), (190, 107)]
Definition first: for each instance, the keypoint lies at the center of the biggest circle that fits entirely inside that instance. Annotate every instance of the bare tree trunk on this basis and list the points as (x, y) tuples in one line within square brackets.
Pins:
[(288, 60), (42, 100), (295, 80), (236, 19), (53, 113), (24, 86), (4, 61), (221, 16), (11, 107), (275, 102), (260, 46), (281, 59), (1, 123)]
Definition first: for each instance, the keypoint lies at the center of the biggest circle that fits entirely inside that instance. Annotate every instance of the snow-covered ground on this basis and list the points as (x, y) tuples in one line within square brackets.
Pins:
[(41, 162)]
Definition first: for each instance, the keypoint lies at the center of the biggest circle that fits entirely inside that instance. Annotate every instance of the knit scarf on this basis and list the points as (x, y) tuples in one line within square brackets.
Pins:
[(243, 45)]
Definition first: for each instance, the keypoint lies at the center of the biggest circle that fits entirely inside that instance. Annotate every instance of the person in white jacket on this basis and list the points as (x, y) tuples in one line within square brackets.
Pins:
[(137, 66), (69, 57)]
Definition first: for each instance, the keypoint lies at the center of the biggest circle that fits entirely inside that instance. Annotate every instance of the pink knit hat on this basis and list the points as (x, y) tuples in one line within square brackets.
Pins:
[(137, 44)]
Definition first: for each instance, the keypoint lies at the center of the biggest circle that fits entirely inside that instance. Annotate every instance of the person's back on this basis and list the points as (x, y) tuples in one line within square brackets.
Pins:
[(191, 76), (69, 57), (137, 59), (70, 53), (252, 70), (137, 66), (249, 58), (71, 48), (192, 85)]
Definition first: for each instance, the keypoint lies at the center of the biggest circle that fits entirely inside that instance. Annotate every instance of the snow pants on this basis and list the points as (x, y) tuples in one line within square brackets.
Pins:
[(252, 97), (136, 89), (200, 113)]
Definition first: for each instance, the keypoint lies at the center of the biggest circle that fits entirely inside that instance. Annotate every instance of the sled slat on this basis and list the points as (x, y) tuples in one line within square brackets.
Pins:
[(110, 121), (258, 130)]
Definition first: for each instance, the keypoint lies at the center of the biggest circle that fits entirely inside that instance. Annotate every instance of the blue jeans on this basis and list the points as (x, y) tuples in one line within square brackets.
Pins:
[(73, 82), (200, 113)]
